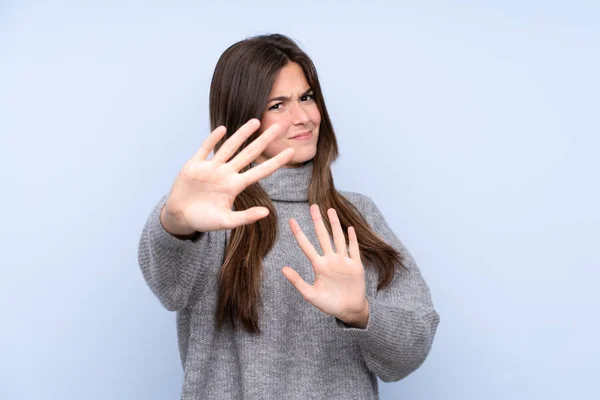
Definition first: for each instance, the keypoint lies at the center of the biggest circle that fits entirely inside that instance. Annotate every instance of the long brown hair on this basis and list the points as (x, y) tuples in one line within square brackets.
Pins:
[(241, 83)]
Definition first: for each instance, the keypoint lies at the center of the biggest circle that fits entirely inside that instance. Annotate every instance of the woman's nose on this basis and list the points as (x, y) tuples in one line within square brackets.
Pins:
[(299, 114)]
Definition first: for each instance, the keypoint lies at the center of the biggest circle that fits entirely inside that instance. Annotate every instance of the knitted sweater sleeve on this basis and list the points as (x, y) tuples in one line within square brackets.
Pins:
[(402, 321), (171, 265)]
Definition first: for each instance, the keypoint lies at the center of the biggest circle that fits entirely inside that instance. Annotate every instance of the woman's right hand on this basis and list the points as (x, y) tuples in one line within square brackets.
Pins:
[(201, 199)]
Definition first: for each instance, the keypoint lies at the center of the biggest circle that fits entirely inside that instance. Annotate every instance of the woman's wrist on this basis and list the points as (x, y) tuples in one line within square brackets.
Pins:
[(173, 227)]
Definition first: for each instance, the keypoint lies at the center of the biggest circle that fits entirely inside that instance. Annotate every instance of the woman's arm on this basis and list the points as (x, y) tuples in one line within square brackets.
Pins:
[(171, 265), (402, 322)]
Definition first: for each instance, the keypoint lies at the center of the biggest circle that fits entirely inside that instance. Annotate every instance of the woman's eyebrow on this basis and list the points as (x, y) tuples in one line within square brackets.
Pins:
[(285, 98)]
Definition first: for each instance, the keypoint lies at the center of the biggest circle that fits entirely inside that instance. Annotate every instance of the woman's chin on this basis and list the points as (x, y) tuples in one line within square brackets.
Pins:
[(300, 157)]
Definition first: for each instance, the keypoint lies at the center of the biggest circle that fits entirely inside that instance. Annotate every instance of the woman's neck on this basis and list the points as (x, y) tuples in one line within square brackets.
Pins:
[(288, 184)]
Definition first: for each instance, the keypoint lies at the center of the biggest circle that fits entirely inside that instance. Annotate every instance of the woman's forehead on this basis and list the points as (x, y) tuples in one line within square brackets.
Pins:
[(290, 81)]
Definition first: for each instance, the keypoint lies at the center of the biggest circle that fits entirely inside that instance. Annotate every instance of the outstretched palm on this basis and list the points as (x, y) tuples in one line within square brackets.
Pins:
[(203, 194), (339, 286)]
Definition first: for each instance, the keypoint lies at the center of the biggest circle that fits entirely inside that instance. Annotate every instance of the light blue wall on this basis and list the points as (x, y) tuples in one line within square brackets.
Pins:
[(473, 125)]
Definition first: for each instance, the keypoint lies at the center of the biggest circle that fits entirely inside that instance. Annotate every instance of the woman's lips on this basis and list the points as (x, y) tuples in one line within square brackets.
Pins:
[(303, 136)]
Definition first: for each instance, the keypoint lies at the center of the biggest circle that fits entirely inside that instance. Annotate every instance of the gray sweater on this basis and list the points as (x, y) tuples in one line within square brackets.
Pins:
[(301, 353)]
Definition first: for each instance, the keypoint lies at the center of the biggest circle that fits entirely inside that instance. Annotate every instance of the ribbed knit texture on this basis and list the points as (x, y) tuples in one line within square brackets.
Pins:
[(301, 353)]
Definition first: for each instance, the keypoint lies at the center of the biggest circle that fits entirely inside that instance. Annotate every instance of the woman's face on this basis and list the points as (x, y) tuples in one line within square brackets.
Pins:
[(292, 106)]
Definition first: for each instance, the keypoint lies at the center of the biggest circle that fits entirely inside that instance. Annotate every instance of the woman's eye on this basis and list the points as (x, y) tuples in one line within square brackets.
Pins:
[(306, 97)]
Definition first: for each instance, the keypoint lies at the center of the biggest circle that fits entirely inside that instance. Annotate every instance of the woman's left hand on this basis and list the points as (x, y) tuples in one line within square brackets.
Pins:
[(339, 286)]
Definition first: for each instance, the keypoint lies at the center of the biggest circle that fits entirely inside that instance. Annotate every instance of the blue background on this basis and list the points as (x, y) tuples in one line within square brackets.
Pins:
[(473, 125)]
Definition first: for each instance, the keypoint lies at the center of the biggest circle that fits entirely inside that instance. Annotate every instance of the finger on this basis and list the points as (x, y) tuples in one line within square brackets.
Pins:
[(304, 288), (354, 249), (305, 245), (338, 234), (320, 229), (245, 217), (209, 144), (266, 168), (235, 141), (256, 148)]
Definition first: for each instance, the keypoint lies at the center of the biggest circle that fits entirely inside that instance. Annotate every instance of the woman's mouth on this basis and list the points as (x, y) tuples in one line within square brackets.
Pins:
[(303, 136)]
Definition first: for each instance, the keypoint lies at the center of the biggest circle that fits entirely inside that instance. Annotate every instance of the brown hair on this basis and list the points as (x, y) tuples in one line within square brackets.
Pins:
[(242, 81)]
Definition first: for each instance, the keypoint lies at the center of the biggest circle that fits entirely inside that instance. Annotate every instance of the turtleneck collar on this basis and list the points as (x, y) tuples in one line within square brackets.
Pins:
[(288, 184)]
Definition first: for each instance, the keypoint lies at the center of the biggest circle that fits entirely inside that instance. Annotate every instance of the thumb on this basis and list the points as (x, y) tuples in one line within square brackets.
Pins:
[(246, 217), (304, 288)]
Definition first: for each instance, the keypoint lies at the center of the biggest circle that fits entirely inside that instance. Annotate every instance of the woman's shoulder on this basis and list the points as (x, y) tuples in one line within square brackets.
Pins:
[(361, 201), (366, 206), (355, 197)]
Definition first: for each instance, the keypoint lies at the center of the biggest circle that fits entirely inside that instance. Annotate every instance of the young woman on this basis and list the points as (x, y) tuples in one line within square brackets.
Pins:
[(284, 287)]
